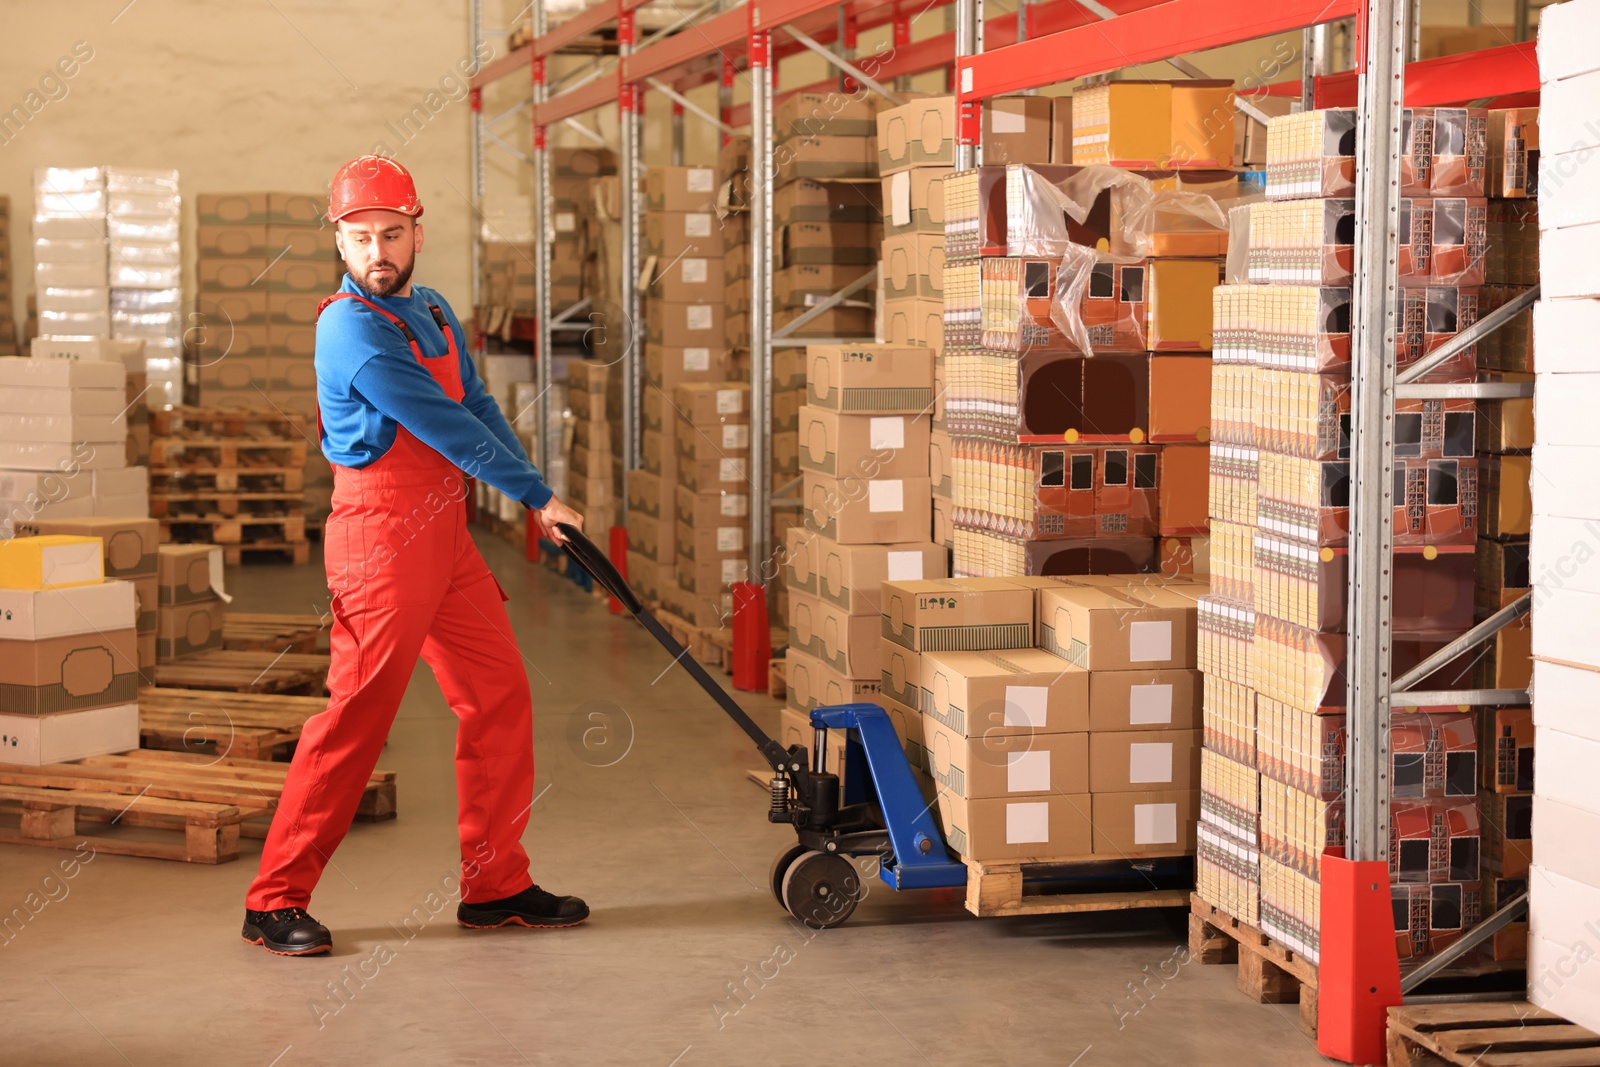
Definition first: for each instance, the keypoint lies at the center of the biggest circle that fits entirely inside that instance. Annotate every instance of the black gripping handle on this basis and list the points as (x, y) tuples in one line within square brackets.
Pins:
[(586, 555)]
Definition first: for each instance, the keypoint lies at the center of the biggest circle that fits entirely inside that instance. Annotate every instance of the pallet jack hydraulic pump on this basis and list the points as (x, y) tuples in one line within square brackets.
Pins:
[(886, 818)]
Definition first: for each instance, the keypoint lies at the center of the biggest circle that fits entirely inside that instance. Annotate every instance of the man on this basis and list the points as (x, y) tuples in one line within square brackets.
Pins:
[(404, 418)]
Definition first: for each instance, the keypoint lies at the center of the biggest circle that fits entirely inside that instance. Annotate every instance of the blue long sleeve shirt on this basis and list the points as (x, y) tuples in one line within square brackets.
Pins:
[(369, 382)]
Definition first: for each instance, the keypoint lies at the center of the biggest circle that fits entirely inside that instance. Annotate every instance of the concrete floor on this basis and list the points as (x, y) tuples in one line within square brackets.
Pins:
[(687, 959)]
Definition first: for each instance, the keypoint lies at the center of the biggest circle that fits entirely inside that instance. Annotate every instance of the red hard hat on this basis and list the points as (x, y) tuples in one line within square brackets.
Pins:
[(368, 182)]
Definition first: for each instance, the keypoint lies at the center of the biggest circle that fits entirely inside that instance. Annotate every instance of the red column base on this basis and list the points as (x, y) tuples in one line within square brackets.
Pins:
[(752, 637), (618, 551), (1358, 975)]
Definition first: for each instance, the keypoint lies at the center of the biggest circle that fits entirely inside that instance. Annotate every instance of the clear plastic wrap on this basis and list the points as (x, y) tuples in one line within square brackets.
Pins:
[(75, 299), (1301, 242), (157, 205), (125, 275), (52, 180), (1312, 154), (144, 300), (143, 229), (68, 274), (141, 180), (146, 253)]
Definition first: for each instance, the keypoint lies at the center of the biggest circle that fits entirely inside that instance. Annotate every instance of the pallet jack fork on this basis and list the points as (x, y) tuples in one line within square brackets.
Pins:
[(890, 821)]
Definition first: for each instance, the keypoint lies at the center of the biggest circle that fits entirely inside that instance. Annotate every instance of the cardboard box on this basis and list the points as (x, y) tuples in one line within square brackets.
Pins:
[(806, 284), (1119, 629), (810, 201), (825, 156), (828, 242), (73, 672), (1433, 754), (1513, 153), (1145, 823), (1136, 760), (901, 674), (40, 614), (1561, 975), (986, 695), (870, 379), (808, 114), (958, 614), (811, 683), (711, 508), (681, 189), (684, 325), (866, 446), (1016, 129), (1005, 765), (668, 368), (914, 322), (713, 404), (913, 266), (845, 643), (51, 561), (39, 740), (688, 279), (725, 541), (856, 510), (1180, 399), (185, 628), (921, 133), (1144, 700), (698, 443), (1005, 830), (851, 576), (913, 201), (670, 234)]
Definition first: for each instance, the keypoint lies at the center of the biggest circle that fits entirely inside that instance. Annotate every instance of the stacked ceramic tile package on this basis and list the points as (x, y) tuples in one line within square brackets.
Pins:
[(68, 653), (863, 454), (1076, 380), (64, 437), (265, 261), (1055, 718), (1564, 876), (145, 272), (1273, 630), (128, 553), (8, 284), (593, 466)]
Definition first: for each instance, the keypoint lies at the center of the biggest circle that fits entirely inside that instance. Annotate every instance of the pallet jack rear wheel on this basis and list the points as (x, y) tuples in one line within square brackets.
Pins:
[(821, 889), (780, 867)]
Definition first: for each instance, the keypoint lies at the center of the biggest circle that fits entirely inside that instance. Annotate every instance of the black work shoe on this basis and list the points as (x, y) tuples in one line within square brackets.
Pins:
[(287, 932), (531, 907)]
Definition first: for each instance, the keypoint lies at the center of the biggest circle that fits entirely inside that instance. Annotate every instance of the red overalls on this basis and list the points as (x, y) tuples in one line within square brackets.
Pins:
[(407, 580)]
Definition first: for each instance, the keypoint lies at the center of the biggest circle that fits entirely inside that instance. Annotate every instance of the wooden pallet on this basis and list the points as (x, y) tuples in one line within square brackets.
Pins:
[(257, 726), (263, 551), (998, 889), (160, 805), (1491, 1034), (247, 531), (185, 450), (257, 423), (179, 506), (251, 475), (258, 632), (1269, 973), (245, 672)]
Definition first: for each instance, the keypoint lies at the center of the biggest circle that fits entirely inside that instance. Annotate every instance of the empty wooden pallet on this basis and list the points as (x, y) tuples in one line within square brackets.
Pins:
[(255, 632), (259, 726), (246, 672), (1489, 1034)]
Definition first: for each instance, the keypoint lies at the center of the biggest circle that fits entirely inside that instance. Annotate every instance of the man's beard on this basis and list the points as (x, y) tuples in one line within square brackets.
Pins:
[(402, 275)]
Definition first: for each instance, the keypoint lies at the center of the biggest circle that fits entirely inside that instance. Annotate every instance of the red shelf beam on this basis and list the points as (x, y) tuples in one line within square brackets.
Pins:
[(1178, 27), (1507, 76)]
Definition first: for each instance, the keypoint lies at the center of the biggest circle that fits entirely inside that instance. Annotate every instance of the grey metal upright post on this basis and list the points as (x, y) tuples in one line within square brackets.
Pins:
[(543, 237), (1311, 47), (969, 42), (677, 135), (1375, 301), (632, 314), (475, 34), (762, 176)]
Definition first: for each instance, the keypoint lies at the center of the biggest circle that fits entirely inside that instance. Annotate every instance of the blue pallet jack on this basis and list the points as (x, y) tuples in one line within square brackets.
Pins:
[(888, 820)]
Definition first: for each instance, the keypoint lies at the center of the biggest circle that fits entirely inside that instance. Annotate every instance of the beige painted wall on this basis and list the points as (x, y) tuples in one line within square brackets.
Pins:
[(244, 96)]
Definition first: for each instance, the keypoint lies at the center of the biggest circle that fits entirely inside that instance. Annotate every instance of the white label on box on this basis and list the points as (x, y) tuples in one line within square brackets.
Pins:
[(905, 566), (214, 569), (966, 79), (1149, 641), (1155, 824), (732, 571), (700, 180), (697, 317), (730, 401), (887, 431), (566, 222), (730, 538), (886, 495), (1150, 762), (697, 359), (1150, 704), (735, 504), (697, 224), (1025, 705), (1028, 772), (1027, 824), (1004, 120), (694, 271), (736, 437), (730, 470), (900, 199)]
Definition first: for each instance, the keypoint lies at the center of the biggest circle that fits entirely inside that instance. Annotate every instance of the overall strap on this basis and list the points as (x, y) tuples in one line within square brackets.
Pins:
[(400, 324)]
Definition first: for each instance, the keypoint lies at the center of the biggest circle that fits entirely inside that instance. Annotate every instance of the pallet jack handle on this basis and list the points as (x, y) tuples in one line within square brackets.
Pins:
[(585, 554)]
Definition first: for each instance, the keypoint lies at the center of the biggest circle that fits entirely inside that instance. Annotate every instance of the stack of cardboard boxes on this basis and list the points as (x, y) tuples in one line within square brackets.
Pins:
[(145, 272), (8, 287), (1564, 877), (864, 452), (189, 600), (68, 657), (128, 554), (1273, 629), (594, 463), (685, 313), (505, 375), (266, 261), (710, 429), (1075, 379), (733, 203)]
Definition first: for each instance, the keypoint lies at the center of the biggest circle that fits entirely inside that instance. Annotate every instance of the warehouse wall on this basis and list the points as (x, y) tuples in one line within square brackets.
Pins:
[(243, 96)]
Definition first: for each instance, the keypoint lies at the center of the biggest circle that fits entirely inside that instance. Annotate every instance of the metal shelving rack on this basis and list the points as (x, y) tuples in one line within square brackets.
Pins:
[(1048, 43)]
